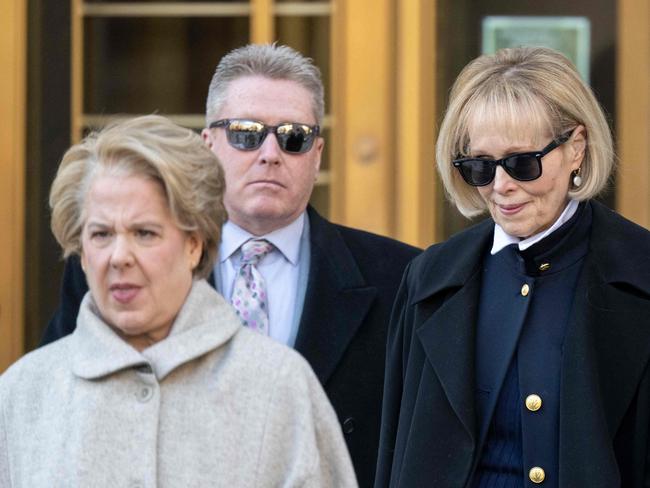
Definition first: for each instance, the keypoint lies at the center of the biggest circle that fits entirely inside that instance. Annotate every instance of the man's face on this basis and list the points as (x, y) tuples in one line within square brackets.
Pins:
[(266, 188)]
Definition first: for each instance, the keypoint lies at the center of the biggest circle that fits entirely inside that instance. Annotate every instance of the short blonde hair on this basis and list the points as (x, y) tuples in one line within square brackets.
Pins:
[(151, 146), (510, 88)]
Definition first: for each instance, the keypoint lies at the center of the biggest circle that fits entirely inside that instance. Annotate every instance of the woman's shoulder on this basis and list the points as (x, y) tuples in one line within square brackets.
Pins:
[(609, 223), (266, 351), (280, 374), (301, 433), (459, 254), (619, 248), (35, 372)]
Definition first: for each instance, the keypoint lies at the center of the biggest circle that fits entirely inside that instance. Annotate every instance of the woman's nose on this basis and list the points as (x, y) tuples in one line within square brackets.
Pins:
[(122, 255), (503, 182)]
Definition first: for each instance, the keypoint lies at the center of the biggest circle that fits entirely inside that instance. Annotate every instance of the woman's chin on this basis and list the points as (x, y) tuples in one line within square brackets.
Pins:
[(127, 324)]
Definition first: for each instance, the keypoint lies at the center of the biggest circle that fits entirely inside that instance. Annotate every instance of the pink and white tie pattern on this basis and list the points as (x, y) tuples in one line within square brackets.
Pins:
[(249, 291)]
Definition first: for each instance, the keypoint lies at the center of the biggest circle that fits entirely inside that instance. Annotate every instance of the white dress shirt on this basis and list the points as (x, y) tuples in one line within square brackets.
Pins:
[(281, 269), (501, 239)]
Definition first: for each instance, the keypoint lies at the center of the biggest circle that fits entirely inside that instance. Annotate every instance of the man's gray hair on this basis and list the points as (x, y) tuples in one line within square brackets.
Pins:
[(272, 61)]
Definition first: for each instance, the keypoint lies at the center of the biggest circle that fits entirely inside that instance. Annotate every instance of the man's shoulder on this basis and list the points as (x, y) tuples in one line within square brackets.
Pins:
[(360, 242), (376, 243)]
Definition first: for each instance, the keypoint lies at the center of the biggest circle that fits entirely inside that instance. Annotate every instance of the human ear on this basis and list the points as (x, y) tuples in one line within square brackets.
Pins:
[(320, 144), (194, 249), (578, 144), (207, 137)]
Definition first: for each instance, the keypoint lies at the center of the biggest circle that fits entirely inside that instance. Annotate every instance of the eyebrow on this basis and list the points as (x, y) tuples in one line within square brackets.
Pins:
[(144, 223), (96, 224)]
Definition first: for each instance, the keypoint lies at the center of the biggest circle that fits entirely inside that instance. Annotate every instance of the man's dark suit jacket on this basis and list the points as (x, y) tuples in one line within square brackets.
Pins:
[(353, 279)]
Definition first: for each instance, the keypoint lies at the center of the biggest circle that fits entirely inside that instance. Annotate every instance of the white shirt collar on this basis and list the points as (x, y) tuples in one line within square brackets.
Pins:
[(285, 239), (501, 239)]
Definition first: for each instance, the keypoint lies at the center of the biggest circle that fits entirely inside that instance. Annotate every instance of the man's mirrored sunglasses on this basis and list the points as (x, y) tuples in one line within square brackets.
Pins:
[(525, 166), (248, 135)]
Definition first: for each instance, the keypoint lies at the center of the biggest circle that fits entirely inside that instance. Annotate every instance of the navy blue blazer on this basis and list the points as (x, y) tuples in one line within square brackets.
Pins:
[(353, 279), (429, 431)]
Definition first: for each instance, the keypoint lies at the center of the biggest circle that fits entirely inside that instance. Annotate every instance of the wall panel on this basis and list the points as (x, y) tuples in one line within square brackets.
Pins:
[(12, 161), (633, 114)]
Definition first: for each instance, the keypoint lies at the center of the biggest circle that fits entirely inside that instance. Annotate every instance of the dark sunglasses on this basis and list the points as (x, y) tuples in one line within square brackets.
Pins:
[(248, 135), (525, 166)]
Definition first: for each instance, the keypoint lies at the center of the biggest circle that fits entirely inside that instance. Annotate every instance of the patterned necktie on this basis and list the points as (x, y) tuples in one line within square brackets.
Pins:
[(249, 291)]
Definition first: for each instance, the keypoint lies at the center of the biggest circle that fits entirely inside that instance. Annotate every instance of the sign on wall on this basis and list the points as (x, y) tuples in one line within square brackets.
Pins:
[(569, 35)]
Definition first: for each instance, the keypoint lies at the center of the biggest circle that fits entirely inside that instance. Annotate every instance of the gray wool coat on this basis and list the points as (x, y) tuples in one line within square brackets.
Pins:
[(213, 404)]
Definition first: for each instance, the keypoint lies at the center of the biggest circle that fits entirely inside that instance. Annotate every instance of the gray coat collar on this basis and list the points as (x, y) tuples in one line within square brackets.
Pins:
[(204, 323)]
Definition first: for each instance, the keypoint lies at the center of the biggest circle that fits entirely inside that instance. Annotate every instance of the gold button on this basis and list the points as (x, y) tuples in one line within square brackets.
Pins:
[(525, 290), (536, 474), (533, 402), (544, 266)]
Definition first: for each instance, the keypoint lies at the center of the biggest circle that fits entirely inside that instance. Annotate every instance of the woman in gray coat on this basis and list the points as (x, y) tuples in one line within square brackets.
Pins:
[(159, 385)]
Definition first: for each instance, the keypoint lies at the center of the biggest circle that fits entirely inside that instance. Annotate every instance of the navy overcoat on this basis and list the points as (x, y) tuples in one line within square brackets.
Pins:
[(429, 428)]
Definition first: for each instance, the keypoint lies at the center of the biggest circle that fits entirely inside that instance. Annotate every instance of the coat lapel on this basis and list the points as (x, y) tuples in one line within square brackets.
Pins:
[(336, 301), (448, 336), (605, 354), (582, 432)]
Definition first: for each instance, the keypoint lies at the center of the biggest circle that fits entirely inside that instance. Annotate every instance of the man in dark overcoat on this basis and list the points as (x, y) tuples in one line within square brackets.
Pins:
[(333, 286)]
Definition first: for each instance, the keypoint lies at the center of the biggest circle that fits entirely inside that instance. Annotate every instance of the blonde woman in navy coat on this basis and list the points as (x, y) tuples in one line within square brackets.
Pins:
[(518, 349)]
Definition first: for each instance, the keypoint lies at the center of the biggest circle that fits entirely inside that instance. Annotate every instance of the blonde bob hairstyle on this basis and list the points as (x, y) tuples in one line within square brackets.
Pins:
[(518, 90), (154, 147)]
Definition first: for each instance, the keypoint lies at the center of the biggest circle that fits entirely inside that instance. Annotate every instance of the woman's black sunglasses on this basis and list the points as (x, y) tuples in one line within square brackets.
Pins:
[(248, 135), (521, 166)]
